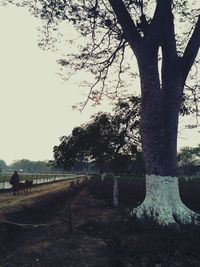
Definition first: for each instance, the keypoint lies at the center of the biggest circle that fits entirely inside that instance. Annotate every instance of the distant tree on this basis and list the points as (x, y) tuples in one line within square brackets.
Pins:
[(3, 165), (188, 158), (112, 141), (73, 149), (30, 166)]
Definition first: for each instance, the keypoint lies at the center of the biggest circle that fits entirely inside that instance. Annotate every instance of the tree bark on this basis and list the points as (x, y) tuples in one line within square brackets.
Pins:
[(159, 124), (159, 114), (161, 99)]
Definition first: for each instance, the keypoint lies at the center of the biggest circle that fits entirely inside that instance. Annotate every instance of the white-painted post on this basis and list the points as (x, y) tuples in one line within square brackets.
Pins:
[(115, 192), (103, 175)]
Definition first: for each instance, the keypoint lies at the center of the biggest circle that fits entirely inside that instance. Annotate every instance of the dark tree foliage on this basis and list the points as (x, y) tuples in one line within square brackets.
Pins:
[(189, 155), (189, 160), (112, 141), (72, 149)]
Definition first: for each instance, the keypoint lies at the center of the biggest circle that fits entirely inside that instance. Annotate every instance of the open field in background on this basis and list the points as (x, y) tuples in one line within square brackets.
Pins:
[(41, 178), (33, 176), (37, 178)]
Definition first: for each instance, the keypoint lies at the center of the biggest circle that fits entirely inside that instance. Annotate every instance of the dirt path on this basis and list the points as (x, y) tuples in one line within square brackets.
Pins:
[(54, 245), (101, 235), (8, 202)]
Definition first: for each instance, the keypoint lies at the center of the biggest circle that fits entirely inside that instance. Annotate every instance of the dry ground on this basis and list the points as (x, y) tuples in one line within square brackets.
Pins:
[(50, 243), (8, 202), (101, 236)]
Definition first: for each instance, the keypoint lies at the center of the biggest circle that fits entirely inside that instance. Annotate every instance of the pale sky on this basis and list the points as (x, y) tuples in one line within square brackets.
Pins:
[(36, 105)]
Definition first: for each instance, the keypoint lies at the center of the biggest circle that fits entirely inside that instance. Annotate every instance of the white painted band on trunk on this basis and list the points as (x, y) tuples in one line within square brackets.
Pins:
[(163, 203)]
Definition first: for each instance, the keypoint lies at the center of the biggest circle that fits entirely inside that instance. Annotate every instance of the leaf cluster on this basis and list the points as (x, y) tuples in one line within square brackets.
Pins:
[(189, 156)]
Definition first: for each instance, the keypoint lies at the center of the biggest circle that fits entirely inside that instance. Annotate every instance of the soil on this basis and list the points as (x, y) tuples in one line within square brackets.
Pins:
[(77, 226), (10, 204)]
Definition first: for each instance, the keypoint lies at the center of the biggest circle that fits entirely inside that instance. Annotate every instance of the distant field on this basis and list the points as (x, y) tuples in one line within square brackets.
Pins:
[(48, 177), (34, 176)]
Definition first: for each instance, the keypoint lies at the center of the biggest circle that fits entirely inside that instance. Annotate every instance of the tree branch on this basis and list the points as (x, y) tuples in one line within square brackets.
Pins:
[(128, 26), (191, 50), (161, 18)]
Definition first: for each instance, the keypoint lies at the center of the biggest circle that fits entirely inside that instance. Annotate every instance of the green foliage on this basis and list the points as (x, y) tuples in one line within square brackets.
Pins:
[(189, 156), (112, 141), (189, 160)]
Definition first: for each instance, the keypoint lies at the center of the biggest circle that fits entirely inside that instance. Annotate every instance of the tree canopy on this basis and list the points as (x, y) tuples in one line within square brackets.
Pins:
[(112, 141), (113, 30)]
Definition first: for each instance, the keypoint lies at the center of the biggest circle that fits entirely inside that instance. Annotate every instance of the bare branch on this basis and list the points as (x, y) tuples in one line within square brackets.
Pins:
[(128, 26), (161, 28)]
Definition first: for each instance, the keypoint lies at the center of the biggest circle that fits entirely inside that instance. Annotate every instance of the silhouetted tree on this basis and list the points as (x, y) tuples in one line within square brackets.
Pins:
[(111, 141)]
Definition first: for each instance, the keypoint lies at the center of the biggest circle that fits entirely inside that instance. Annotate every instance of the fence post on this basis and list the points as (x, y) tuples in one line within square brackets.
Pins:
[(115, 192)]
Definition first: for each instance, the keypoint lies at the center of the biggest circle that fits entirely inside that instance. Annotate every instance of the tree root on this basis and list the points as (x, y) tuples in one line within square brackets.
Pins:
[(166, 215), (163, 204)]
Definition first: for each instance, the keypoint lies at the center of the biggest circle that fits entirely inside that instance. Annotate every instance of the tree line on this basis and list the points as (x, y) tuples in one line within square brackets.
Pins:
[(26, 165)]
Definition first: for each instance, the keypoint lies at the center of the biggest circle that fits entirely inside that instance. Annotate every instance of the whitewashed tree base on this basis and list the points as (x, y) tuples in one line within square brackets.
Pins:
[(163, 203)]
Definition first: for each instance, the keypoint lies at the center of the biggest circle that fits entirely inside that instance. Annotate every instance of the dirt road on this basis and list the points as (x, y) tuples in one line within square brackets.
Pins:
[(8, 202)]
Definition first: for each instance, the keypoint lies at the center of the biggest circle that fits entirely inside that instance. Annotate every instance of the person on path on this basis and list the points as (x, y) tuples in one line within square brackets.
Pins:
[(14, 181)]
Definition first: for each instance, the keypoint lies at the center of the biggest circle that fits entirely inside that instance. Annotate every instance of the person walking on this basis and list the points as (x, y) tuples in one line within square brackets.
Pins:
[(14, 181)]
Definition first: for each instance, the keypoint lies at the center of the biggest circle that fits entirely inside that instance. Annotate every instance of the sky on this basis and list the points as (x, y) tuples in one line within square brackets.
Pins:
[(36, 104)]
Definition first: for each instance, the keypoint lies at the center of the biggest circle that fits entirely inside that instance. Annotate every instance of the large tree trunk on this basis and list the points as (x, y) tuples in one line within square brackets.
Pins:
[(161, 99), (160, 110)]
